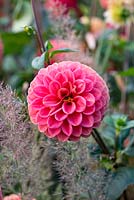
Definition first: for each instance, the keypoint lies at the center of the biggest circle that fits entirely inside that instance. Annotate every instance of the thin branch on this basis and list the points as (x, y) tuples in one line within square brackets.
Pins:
[(36, 9), (99, 140)]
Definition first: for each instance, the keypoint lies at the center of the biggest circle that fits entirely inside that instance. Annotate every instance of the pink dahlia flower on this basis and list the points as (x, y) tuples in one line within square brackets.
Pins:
[(66, 100), (12, 197)]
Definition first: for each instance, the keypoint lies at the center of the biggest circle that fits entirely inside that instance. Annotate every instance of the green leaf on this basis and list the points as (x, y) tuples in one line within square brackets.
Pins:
[(39, 62), (122, 178), (129, 72), (129, 125), (61, 51), (108, 135), (109, 120), (48, 45), (14, 42)]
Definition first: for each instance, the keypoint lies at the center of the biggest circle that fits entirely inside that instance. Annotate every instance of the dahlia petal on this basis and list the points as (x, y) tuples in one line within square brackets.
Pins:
[(54, 110), (91, 77), (77, 131), (44, 112), (66, 128), (60, 115), (32, 112), (70, 76), (80, 103), (96, 93), (37, 103), (40, 91), (75, 119), (99, 85), (87, 121), (62, 137), (50, 100), (63, 92), (97, 116), (53, 123), (86, 131), (60, 77), (68, 107), (89, 98), (89, 85), (51, 132), (74, 139), (38, 80), (67, 85), (41, 120), (54, 86), (98, 105), (78, 74), (96, 124), (103, 100), (89, 110), (80, 86), (42, 128), (46, 81)]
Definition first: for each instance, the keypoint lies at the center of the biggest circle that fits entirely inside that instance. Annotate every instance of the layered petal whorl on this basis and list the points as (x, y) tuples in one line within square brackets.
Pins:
[(67, 100)]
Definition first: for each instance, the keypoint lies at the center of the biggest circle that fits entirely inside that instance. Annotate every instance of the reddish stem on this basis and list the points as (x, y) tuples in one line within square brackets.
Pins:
[(36, 9)]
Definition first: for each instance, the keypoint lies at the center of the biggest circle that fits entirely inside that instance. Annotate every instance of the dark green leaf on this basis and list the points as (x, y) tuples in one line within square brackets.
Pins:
[(122, 178)]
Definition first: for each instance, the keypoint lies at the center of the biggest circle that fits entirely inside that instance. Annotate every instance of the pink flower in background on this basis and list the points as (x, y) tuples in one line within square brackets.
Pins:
[(66, 100), (59, 44), (12, 197), (104, 3), (69, 4)]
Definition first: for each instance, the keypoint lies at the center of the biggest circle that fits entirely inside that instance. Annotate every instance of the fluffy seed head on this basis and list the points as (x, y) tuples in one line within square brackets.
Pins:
[(66, 100)]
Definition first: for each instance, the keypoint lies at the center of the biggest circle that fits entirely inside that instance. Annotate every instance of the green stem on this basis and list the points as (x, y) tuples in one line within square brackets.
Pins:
[(99, 140), (35, 7)]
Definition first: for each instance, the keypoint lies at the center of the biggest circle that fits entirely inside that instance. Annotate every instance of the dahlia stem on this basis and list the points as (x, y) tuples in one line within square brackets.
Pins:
[(36, 8), (99, 140), (125, 195)]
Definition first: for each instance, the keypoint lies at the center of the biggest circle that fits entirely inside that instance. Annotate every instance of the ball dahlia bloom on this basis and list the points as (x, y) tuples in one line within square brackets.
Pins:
[(12, 197), (67, 100)]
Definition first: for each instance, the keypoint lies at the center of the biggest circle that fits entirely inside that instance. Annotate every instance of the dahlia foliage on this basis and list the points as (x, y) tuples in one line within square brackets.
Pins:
[(67, 100)]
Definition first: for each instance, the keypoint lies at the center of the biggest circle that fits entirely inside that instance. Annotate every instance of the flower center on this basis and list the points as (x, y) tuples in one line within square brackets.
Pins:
[(69, 99)]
